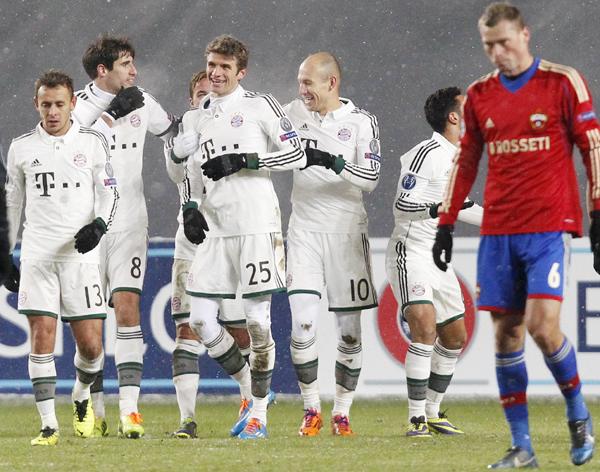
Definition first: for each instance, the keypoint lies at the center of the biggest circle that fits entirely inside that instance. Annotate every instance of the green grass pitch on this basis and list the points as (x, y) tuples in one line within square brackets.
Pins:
[(379, 444)]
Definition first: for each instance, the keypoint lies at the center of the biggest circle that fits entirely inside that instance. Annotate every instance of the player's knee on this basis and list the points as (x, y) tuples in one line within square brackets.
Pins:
[(546, 338), (184, 331), (91, 349), (240, 335)]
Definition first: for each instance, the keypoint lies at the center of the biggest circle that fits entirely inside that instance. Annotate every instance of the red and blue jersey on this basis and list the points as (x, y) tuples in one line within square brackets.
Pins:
[(528, 126)]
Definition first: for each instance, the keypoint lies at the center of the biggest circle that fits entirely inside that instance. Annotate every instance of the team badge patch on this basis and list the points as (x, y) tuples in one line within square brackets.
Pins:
[(409, 181), (176, 304), (135, 120), (110, 182), (108, 168), (237, 120), (418, 289), (22, 297), (586, 116), (286, 124), (374, 146), (344, 134), (538, 121), (80, 160)]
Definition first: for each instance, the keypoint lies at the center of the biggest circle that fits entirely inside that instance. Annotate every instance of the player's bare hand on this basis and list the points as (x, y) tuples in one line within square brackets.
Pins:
[(443, 244)]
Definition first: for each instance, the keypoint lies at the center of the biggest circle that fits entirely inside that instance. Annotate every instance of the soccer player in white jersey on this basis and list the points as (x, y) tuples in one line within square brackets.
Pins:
[(328, 246), (244, 136), (63, 172), (429, 300), (186, 373), (124, 114)]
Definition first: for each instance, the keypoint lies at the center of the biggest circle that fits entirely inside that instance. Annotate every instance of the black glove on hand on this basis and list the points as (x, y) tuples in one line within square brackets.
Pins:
[(443, 243), (88, 237), (194, 225), (125, 101), (12, 281), (595, 238), (227, 164), (434, 209), (314, 157)]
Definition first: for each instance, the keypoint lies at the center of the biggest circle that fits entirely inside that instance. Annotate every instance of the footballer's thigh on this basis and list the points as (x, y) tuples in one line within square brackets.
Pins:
[(448, 298), (81, 292), (305, 269), (231, 311), (214, 271), (261, 264), (347, 264), (125, 255)]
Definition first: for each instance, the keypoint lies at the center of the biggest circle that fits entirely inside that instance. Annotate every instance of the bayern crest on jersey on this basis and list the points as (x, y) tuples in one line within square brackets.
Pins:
[(80, 160), (135, 120), (538, 121), (344, 134), (237, 120)]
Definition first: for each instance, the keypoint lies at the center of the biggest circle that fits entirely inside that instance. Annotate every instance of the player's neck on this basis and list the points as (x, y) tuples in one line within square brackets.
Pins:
[(331, 106), (102, 88), (522, 67)]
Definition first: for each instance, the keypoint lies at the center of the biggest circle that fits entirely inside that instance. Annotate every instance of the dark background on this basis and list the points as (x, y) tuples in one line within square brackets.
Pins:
[(393, 54)]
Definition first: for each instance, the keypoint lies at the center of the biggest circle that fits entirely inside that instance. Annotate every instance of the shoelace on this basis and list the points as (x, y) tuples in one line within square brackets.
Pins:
[(244, 405), (310, 416), (136, 418), (342, 421), (253, 425), (579, 435)]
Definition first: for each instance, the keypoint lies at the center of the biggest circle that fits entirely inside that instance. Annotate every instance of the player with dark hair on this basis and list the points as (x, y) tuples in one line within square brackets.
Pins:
[(244, 136), (528, 114), (62, 170), (429, 300), (124, 113)]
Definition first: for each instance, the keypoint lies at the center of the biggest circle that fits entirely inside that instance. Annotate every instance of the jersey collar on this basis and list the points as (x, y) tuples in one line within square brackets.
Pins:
[(513, 84), (443, 142), (98, 93), (222, 103), (67, 138), (338, 113)]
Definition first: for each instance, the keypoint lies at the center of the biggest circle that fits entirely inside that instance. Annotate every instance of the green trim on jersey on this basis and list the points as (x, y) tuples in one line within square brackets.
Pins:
[(310, 292), (38, 313), (178, 316), (264, 292), (190, 204), (450, 320), (91, 316), (353, 308), (126, 289), (418, 302), (228, 296)]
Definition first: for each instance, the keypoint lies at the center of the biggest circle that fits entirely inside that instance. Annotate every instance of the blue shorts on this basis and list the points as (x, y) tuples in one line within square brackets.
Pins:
[(512, 268)]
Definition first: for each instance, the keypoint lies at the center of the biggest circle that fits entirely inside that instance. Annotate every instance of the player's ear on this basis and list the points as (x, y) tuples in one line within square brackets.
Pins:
[(333, 81), (241, 74), (73, 101), (453, 117), (35, 103)]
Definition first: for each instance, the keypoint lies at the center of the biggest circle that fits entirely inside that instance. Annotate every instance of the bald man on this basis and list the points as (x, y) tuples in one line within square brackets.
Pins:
[(328, 246)]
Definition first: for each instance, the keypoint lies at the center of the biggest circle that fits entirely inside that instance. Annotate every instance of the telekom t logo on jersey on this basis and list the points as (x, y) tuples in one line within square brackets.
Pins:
[(44, 181)]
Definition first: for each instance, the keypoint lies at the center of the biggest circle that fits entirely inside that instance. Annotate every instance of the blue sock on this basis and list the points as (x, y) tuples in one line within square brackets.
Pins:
[(563, 365), (511, 374)]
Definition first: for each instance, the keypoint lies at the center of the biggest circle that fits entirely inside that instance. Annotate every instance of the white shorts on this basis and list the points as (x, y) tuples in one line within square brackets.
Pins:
[(255, 262), (71, 290), (184, 249), (231, 312), (123, 260), (415, 279), (341, 262)]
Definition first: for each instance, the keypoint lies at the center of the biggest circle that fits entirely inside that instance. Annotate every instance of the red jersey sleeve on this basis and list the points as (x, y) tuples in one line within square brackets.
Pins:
[(466, 162), (585, 131)]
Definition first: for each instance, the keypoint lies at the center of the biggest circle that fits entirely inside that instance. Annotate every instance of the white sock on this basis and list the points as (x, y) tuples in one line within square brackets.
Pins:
[(42, 372), (443, 364), (343, 401), (129, 349), (86, 371), (418, 367), (259, 409), (186, 375)]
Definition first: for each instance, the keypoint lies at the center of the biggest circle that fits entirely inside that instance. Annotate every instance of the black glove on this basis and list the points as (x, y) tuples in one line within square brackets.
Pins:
[(435, 208), (315, 157), (125, 101), (194, 225), (595, 238), (227, 164), (88, 237), (12, 281), (443, 243), (5, 258)]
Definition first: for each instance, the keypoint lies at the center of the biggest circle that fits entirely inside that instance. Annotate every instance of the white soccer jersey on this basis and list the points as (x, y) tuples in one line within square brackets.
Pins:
[(242, 122), (423, 178), (323, 201), (126, 142), (61, 178)]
